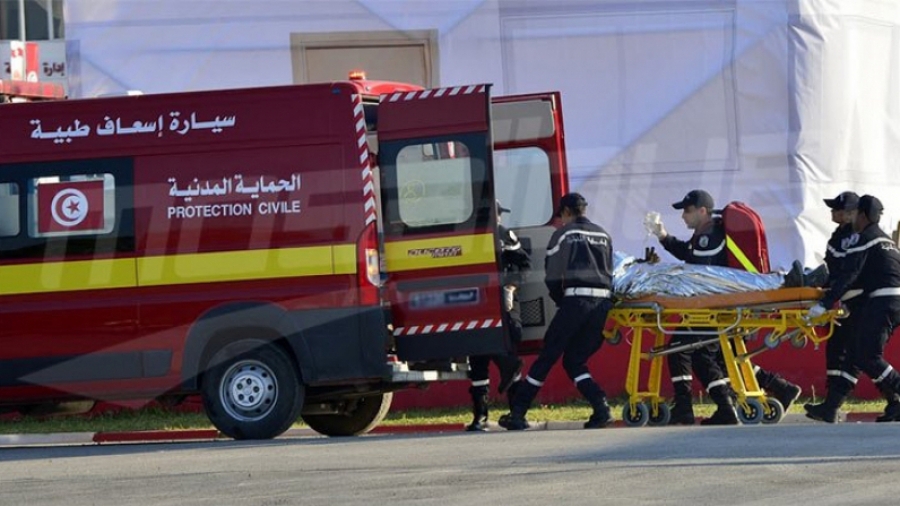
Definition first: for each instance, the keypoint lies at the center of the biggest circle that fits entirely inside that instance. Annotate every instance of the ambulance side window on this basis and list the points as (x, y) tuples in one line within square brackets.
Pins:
[(70, 209), (523, 185), (9, 210)]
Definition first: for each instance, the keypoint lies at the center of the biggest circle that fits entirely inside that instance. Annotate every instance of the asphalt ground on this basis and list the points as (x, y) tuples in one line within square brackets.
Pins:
[(124, 437)]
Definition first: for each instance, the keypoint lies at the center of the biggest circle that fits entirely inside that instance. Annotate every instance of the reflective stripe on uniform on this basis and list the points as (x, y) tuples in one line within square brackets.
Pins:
[(481, 383), (883, 375), (555, 249), (534, 381), (582, 377), (837, 373), (709, 253), (676, 379), (717, 383)]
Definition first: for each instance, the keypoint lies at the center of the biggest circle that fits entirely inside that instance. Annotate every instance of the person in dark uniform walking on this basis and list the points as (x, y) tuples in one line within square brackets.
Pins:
[(579, 278), (838, 367), (707, 247), (515, 262), (871, 263)]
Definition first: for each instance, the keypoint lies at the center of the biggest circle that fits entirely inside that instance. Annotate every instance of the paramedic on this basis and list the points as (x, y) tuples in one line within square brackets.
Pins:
[(579, 278), (838, 369), (872, 264), (707, 247), (514, 264)]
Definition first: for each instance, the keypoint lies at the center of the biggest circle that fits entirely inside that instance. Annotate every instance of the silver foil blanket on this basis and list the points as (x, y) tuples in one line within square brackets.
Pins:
[(632, 280)]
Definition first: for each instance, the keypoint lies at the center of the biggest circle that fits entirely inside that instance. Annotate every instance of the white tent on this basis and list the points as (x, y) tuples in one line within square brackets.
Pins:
[(777, 103)]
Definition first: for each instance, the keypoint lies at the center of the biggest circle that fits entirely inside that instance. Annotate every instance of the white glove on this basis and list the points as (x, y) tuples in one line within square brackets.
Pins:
[(509, 292), (654, 225), (816, 311)]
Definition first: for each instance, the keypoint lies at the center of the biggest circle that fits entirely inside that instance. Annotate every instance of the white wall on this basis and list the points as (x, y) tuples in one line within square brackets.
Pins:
[(778, 103)]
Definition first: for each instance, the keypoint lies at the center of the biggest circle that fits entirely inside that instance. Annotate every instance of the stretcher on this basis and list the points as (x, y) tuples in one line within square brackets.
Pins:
[(732, 320)]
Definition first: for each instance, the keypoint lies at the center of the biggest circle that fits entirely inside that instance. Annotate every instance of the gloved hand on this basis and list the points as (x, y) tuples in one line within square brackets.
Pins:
[(659, 230), (654, 225), (816, 311), (650, 256), (509, 292)]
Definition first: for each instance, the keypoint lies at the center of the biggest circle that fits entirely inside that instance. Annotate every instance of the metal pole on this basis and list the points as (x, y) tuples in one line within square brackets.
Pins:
[(22, 20), (50, 34)]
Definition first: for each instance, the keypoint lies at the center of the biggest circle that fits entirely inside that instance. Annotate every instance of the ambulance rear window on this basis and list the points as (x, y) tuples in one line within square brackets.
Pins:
[(434, 183), (9, 209)]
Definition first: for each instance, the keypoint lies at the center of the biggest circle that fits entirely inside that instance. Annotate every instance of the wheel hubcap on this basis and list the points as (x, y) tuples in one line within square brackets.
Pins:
[(249, 390)]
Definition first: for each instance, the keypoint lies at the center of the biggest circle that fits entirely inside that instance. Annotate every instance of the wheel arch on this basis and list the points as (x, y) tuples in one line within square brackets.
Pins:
[(230, 323)]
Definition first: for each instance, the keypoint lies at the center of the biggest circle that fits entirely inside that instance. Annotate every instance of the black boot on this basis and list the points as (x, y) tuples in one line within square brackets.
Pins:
[(817, 277), (601, 416), (892, 409), (783, 390), (828, 410), (515, 419), (510, 366), (725, 413), (479, 409), (682, 408), (794, 277)]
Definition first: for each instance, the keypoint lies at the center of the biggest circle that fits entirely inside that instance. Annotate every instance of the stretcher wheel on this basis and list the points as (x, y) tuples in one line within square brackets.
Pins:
[(752, 414), (776, 411), (772, 340), (616, 338), (799, 341), (663, 415), (638, 418)]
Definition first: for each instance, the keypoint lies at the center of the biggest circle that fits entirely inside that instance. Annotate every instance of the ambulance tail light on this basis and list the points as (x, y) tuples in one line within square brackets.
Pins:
[(368, 266)]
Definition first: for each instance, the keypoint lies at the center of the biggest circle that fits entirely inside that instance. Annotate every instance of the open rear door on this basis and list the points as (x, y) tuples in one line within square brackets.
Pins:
[(530, 176), (440, 244)]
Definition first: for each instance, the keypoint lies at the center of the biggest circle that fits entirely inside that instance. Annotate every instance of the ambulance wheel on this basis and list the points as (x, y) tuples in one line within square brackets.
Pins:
[(252, 390), (638, 418), (751, 415), (776, 411), (359, 416), (663, 415)]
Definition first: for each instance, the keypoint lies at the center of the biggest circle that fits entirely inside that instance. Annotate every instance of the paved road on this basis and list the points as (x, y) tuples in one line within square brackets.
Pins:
[(784, 464)]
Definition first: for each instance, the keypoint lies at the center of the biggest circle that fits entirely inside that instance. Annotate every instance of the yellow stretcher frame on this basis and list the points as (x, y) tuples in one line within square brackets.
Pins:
[(727, 319)]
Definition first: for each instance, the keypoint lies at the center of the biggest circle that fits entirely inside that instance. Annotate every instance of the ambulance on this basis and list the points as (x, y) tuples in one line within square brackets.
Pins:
[(284, 252)]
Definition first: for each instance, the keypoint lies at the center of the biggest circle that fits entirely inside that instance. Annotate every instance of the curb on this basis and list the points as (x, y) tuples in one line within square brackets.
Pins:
[(156, 436)]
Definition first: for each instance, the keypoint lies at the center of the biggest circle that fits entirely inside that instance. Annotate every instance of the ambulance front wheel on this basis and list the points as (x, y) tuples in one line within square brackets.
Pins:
[(356, 416), (252, 390)]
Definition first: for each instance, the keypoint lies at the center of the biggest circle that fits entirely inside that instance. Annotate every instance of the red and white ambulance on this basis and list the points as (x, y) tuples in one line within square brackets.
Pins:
[(283, 251)]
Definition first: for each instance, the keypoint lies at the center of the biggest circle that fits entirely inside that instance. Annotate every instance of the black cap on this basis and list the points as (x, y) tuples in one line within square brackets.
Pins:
[(871, 207), (696, 198), (572, 201), (844, 202), (501, 209)]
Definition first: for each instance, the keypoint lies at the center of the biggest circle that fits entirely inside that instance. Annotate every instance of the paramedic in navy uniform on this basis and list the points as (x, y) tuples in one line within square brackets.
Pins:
[(515, 262), (838, 367), (707, 247), (872, 263), (579, 278)]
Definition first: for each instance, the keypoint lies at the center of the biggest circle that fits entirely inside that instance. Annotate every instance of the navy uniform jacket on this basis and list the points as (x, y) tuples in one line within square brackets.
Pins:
[(706, 246), (872, 262), (579, 255)]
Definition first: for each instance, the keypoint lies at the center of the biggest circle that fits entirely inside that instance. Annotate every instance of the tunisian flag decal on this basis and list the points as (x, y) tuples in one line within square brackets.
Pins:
[(70, 206)]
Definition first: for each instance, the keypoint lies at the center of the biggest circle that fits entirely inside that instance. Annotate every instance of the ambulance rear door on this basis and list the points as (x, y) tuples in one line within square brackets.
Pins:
[(440, 242), (530, 176)]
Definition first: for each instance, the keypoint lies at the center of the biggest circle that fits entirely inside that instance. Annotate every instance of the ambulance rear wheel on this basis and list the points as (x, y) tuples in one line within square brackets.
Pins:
[(252, 390), (359, 417), (775, 413), (637, 417), (752, 414), (663, 415)]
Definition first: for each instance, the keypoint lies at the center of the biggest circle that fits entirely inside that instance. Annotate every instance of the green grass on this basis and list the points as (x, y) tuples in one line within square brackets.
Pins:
[(158, 418)]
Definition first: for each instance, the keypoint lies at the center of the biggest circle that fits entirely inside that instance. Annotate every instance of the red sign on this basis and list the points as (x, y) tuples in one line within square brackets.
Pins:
[(70, 206)]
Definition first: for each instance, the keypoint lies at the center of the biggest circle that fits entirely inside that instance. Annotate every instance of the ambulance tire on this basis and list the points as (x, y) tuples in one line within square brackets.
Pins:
[(362, 415), (252, 390)]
